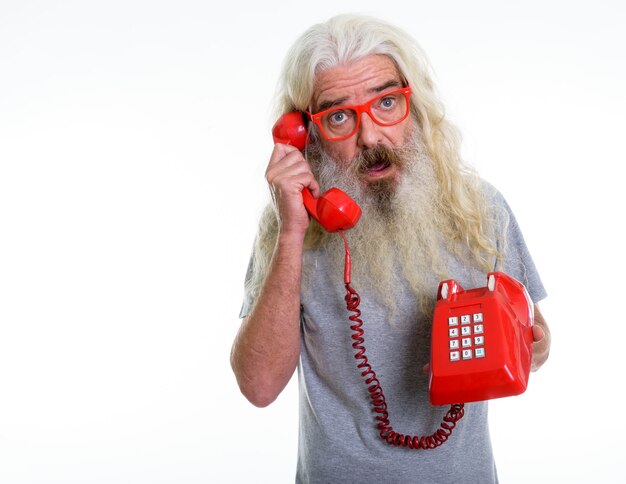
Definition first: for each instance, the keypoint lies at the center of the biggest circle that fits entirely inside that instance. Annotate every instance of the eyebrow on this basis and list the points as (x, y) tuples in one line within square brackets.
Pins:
[(331, 103), (337, 102), (386, 85)]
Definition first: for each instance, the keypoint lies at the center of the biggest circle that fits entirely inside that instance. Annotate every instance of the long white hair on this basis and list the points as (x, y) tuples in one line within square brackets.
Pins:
[(460, 192)]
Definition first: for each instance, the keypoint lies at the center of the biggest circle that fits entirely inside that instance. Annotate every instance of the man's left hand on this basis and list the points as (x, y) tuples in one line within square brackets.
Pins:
[(541, 341)]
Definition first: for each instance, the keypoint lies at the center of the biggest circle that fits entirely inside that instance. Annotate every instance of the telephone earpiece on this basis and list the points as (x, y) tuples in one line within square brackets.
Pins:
[(291, 130), (334, 210)]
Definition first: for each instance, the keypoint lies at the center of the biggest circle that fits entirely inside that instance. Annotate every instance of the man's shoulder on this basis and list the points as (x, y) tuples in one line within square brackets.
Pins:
[(494, 197), (490, 192)]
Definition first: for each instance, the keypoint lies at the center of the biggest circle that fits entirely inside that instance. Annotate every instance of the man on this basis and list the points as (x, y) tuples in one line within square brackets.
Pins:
[(377, 132)]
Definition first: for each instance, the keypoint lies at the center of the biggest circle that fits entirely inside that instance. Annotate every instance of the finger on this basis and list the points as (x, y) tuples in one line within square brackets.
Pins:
[(538, 333), (287, 173), (284, 147), (281, 150), (281, 159), (286, 168), (293, 165), (315, 188), (291, 185), (287, 161), (426, 368)]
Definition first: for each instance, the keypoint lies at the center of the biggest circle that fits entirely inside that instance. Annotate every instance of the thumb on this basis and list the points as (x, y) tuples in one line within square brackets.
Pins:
[(538, 333), (315, 188)]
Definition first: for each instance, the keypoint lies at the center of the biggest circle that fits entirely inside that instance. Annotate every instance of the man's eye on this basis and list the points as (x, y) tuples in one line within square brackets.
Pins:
[(387, 102), (338, 117)]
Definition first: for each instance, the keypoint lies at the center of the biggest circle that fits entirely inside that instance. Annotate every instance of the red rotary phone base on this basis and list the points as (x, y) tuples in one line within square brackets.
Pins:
[(481, 341)]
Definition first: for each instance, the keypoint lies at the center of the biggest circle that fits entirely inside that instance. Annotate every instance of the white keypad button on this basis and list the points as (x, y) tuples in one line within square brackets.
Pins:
[(478, 329), (453, 332), (479, 352), (479, 340), (453, 321), (454, 356), (467, 342), (467, 354), (454, 344), (466, 330), (465, 319), (478, 317)]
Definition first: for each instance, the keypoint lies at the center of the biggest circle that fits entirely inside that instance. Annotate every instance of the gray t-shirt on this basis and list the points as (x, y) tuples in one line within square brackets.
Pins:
[(338, 440)]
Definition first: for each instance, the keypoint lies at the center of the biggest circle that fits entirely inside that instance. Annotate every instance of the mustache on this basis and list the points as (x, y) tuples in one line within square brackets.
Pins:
[(379, 155)]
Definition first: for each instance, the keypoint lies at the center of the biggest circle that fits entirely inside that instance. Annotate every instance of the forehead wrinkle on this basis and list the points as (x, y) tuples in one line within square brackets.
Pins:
[(353, 78), (324, 105)]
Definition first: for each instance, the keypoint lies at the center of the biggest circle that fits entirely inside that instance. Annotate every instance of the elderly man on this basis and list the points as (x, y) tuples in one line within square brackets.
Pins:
[(378, 132)]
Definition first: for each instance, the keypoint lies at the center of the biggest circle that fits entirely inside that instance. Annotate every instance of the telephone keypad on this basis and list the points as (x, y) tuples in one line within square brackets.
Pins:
[(472, 337)]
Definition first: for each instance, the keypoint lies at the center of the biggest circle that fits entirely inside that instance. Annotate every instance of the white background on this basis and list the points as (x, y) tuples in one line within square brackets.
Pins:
[(133, 141)]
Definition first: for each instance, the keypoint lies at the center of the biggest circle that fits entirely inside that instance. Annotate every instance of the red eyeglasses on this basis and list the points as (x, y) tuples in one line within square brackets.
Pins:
[(341, 122)]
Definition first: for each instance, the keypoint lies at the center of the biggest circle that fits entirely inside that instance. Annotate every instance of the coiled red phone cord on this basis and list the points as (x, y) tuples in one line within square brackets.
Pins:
[(377, 396)]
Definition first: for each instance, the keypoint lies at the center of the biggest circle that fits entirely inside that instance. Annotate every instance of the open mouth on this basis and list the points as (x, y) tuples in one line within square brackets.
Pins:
[(377, 162), (378, 169)]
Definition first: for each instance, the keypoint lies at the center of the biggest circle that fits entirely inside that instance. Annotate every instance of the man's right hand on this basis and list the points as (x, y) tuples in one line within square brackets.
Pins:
[(287, 174), (267, 347)]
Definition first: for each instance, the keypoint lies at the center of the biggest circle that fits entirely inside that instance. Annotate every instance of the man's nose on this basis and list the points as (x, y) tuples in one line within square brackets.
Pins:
[(369, 135)]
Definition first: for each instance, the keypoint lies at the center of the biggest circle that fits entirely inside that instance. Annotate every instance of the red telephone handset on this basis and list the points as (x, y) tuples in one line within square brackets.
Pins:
[(481, 341), (334, 210)]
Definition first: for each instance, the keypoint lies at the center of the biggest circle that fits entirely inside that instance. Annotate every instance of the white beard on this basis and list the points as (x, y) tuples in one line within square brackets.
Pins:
[(399, 236)]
